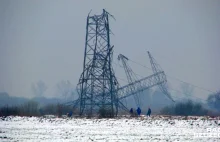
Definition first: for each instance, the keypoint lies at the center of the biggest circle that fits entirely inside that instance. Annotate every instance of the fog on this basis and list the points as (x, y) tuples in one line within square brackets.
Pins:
[(44, 41)]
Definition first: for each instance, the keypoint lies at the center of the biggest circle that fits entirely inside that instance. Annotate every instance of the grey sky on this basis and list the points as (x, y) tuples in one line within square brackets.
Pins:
[(44, 40)]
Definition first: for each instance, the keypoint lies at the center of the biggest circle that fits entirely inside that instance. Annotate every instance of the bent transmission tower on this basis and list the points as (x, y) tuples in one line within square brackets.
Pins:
[(131, 76), (98, 88), (97, 83), (156, 68)]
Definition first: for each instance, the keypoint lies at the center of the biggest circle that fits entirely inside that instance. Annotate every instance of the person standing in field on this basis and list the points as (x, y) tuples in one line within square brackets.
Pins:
[(149, 112), (131, 112), (139, 111)]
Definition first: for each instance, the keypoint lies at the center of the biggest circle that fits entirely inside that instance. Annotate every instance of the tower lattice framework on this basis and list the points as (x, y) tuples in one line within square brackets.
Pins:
[(97, 84)]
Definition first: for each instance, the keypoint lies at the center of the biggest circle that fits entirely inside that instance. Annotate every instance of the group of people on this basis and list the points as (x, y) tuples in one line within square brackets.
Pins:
[(139, 111)]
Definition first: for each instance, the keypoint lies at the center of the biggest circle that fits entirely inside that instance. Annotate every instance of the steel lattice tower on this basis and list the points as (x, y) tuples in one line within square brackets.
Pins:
[(97, 83)]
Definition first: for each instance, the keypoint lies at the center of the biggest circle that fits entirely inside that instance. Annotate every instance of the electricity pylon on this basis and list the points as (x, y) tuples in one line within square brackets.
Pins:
[(156, 68), (98, 75), (135, 86), (98, 87), (131, 77)]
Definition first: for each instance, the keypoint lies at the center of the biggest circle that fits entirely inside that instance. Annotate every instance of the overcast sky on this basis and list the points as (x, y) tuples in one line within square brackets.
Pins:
[(44, 40)]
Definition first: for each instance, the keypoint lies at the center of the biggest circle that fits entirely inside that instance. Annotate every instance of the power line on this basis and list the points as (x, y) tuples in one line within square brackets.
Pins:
[(171, 78), (174, 90), (191, 100), (179, 98), (187, 94), (202, 88), (122, 79), (133, 72), (140, 64), (191, 84)]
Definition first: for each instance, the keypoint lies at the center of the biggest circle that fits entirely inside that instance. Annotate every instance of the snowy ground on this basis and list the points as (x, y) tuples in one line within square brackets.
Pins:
[(156, 128)]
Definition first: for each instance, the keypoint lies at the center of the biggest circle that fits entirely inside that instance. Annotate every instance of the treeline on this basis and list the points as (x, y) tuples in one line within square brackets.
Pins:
[(187, 108), (32, 108)]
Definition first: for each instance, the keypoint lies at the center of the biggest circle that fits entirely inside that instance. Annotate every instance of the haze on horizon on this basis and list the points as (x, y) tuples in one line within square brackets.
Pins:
[(44, 40)]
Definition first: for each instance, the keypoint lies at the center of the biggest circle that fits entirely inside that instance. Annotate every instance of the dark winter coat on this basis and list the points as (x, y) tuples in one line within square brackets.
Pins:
[(149, 112), (138, 111), (131, 111)]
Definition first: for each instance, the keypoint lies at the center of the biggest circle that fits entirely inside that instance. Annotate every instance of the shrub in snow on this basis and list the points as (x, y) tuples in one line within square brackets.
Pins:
[(185, 109)]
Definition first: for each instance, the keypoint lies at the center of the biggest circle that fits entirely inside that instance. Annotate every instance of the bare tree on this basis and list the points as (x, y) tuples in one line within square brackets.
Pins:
[(187, 89), (65, 89), (38, 88), (214, 101)]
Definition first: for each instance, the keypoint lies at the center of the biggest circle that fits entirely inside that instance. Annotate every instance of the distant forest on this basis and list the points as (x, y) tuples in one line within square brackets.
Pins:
[(159, 104)]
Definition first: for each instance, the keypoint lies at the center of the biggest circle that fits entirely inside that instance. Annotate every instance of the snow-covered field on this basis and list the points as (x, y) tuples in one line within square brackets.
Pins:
[(156, 128)]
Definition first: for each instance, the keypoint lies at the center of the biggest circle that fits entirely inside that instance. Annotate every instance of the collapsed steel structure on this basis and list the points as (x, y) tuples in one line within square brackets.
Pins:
[(98, 87), (98, 83)]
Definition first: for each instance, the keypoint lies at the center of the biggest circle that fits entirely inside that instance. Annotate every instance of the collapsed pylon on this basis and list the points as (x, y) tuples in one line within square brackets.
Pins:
[(98, 75)]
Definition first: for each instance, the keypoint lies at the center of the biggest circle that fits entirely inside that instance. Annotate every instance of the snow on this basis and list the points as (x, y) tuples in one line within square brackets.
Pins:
[(156, 128)]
